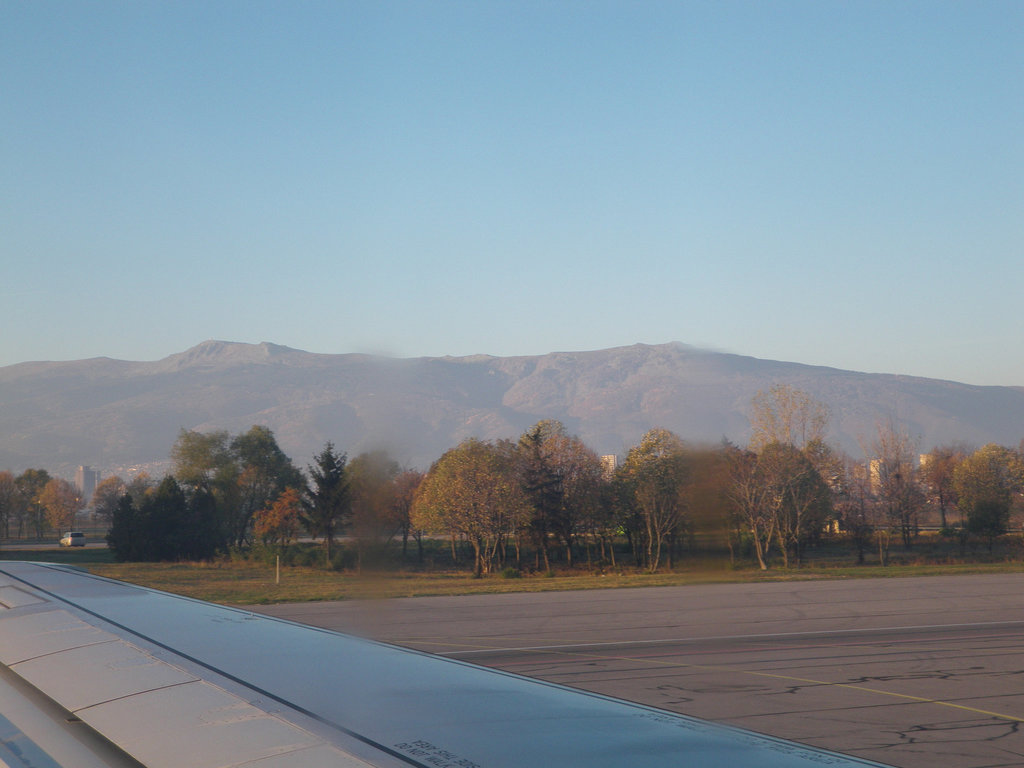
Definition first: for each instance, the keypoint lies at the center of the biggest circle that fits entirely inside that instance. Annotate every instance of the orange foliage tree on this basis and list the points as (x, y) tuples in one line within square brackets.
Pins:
[(278, 524)]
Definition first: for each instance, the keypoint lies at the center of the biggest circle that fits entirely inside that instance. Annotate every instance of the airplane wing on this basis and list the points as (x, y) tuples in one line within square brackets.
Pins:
[(99, 672)]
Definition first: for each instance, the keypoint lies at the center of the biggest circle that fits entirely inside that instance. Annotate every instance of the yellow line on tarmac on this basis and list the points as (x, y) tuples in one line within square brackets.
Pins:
[(793, 678), (909, 697)]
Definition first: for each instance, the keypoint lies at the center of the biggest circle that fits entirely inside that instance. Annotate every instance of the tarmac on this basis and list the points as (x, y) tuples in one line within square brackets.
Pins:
[(912, 672)]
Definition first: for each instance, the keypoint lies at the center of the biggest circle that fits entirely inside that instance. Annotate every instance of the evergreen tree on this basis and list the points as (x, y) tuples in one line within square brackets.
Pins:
[(125, 534), (168, 524), (328, 505)]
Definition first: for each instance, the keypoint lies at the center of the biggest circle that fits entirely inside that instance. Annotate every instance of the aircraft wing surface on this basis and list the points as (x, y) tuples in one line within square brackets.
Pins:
[(181, 683)]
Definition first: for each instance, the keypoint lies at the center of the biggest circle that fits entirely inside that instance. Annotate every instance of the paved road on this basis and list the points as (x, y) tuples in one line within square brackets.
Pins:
[(19, 546), (916, 672)]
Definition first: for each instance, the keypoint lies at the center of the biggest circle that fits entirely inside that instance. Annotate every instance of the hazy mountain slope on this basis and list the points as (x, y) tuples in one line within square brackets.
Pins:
[(111, 414)]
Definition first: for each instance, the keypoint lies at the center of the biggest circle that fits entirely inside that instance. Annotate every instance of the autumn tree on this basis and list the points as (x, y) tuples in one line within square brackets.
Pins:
[(244, 474), (328, 506), (985, 484), (62, 502), (937, 476), (8, 501), (372, 489), (581, 478), (263, 473), (657, 474), (473, 492), (31, 512), (278, 525)]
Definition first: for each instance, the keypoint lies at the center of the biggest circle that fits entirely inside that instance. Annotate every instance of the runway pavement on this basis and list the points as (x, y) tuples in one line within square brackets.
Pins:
[(913, 672)]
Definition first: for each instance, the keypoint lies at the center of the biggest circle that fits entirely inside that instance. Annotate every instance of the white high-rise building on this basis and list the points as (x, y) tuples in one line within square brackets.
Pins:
[(86, 480), (609, 463)]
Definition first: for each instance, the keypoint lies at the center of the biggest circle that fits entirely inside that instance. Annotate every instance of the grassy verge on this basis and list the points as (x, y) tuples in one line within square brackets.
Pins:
[(249, 583), (85, 557)]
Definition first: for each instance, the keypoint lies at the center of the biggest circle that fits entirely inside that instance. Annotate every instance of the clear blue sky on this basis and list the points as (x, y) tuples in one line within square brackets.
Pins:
[(834, 183)]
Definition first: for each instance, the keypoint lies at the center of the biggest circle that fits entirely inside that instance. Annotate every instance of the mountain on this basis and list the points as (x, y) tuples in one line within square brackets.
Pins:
[(114, 414)]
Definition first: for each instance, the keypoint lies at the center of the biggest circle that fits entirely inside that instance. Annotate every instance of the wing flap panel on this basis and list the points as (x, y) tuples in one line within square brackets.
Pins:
[(14, 597), (94, 674), (193, 725), (35, 634)]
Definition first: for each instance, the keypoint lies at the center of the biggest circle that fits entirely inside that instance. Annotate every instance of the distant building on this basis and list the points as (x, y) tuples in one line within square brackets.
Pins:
[(609, 463), (86, 480), (876, 475)]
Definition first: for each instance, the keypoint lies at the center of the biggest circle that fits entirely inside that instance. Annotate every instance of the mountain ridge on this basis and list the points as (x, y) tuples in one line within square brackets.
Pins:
[(111, 413)]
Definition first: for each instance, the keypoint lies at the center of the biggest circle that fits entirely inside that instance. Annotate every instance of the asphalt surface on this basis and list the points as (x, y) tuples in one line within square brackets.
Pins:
[(915, 672), (97, 543)]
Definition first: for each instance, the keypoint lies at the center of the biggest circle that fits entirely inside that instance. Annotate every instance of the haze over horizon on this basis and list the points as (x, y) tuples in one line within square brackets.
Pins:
[(821, 183), (123, 416), (227, 343)]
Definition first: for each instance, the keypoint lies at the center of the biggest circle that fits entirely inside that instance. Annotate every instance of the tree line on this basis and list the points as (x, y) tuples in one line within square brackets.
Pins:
[(33, 503), (235, 492), (546, 500)]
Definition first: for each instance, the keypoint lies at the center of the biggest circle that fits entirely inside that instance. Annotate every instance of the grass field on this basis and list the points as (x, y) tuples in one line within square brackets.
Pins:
[(237, 582)]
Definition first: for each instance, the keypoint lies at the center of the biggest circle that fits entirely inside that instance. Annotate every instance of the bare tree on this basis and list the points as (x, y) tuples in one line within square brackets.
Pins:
[(855, 507), (798, 496), (894, 479), (783, 488), (405, 491), (107, 496), (786, 415), (752, 502)]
